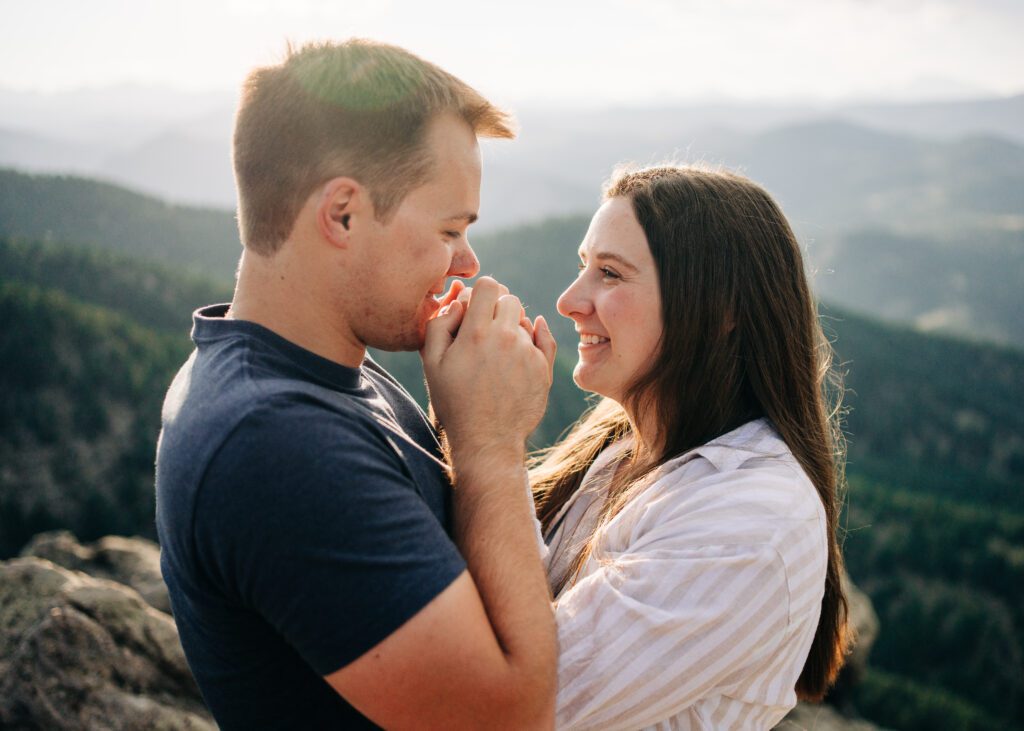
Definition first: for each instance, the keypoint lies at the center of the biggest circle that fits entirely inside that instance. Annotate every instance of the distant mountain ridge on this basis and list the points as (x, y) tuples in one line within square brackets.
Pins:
[(78, 210), (1002, 117), (185, 158), (837, 176), (964, 283), (155, 295)]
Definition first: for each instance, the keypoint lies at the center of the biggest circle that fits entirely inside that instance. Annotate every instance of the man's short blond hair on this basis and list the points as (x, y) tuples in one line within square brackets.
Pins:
[(358, 109)]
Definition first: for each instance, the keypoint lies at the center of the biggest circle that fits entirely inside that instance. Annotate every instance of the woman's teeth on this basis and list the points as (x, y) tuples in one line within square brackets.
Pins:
[(586, 339)]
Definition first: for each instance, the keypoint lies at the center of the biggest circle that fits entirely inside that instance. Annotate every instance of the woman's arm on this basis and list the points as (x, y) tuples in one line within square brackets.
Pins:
[(693, 597), (647, 635)]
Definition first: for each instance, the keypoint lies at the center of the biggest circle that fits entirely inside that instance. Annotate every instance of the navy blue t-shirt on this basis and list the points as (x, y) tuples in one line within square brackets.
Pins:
[(303, 516)]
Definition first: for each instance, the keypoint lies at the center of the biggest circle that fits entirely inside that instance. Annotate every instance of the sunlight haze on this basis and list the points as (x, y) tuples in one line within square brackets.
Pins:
[(616, 52)]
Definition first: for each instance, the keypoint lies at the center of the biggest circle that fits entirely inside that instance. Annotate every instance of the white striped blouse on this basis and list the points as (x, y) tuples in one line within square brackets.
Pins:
[(699, 605)]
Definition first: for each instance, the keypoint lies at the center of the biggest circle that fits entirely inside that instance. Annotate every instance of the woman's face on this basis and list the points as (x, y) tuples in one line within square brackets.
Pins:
[(615, 302)]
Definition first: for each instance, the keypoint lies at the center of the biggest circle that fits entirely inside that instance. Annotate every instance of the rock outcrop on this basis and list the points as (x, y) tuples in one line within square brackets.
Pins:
[(823, 717), (865, 624), (134, 562), (77, 652), (827, 716), (86, 641)]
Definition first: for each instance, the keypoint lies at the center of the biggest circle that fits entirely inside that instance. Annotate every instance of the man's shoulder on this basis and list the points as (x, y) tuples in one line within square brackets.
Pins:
[(220, 391), (222, 411), (296, 421)]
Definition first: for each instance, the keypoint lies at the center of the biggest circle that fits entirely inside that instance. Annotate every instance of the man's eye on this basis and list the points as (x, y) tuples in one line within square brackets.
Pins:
[(453, 234)]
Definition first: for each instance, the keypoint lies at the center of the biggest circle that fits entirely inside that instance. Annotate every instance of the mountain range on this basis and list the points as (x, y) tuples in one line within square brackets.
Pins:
[(913, 213), (177, 145), (965, 283)]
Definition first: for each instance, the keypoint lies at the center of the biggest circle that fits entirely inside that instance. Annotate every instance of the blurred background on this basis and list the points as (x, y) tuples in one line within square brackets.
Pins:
[(892, 134)]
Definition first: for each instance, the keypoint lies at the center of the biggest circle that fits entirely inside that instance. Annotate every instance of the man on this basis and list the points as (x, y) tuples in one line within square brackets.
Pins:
[(304, 512)]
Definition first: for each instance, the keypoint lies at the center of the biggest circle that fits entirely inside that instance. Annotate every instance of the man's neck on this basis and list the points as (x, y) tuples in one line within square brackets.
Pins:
[(282, 296)]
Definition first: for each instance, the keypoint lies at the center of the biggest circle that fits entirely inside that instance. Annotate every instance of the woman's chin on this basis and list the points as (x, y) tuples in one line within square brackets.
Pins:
[(586, 381)]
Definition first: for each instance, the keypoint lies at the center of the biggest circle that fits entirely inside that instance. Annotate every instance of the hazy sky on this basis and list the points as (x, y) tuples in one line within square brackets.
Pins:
[(604, 51)]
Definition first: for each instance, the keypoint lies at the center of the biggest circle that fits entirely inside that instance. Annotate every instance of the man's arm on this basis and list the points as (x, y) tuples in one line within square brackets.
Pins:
[(483, 653)]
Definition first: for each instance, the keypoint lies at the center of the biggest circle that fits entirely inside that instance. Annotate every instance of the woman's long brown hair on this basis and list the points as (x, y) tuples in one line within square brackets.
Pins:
[(741, 340)]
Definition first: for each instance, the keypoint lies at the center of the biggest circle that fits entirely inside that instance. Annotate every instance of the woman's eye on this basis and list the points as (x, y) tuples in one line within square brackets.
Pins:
[(453, 234), (606, 273)]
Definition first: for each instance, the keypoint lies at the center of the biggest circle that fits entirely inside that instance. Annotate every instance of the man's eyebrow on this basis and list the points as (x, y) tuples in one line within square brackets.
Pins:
[(468, 216), (604, 255)]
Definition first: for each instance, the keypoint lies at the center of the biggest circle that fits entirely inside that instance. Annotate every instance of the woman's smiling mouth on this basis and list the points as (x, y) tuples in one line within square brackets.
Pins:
[(590, 340)]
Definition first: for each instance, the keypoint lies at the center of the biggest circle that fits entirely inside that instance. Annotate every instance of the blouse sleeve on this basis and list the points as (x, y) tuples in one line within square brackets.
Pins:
[(657, 627)]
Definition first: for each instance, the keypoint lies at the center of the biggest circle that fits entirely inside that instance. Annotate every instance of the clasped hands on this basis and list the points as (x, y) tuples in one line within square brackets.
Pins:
[(488, 370)]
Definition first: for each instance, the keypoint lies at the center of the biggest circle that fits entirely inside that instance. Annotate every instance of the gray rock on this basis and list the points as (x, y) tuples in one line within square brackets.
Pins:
[(823, 717), (82, 652), (865, 623), (134, 562), (78, 652)]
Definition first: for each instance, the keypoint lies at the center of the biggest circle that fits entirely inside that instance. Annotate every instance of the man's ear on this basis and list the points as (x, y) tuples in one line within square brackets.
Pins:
[(343, 202)]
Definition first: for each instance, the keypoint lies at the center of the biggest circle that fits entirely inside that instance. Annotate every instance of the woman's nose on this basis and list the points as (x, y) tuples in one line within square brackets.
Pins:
[(573, 302)]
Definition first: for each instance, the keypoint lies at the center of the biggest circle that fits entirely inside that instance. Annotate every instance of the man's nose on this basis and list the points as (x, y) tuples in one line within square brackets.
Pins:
[(464, 262)]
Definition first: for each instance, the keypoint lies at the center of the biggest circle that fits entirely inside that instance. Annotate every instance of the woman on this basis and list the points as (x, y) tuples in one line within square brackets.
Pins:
[(691, 514)]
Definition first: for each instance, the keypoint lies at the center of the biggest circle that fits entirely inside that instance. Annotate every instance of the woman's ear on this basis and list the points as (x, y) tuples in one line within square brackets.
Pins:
[(342, 201)]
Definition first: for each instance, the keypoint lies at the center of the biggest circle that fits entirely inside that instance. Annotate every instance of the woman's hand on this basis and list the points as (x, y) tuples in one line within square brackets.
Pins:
[(488, 372)]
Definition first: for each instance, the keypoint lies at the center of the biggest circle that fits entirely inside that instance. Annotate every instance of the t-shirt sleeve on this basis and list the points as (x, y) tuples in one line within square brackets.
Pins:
[(307, 517)]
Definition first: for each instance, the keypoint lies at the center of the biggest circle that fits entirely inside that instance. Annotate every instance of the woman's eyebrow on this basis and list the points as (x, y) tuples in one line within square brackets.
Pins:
[(615, 257)]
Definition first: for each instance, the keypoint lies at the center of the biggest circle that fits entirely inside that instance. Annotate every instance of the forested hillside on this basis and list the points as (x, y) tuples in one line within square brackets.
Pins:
[(76, 210), (88, 341), (968, 284), (153, 294), (80, 393), (947, 581)]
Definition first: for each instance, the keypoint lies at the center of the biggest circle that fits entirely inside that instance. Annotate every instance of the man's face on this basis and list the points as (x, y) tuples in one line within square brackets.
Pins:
[(406, 261)]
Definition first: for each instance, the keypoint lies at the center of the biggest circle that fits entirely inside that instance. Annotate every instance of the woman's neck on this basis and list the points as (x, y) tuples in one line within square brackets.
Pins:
[(647, 433)]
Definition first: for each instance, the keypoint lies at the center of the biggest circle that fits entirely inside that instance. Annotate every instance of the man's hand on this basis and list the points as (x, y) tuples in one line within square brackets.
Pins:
[(491, 635), (487, 371), (462, 293)]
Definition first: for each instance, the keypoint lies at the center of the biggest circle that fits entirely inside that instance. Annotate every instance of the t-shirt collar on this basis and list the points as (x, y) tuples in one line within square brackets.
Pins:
[(209, 324)]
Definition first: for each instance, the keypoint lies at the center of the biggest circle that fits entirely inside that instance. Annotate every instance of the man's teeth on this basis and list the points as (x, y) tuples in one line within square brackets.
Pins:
[(592, 339)]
